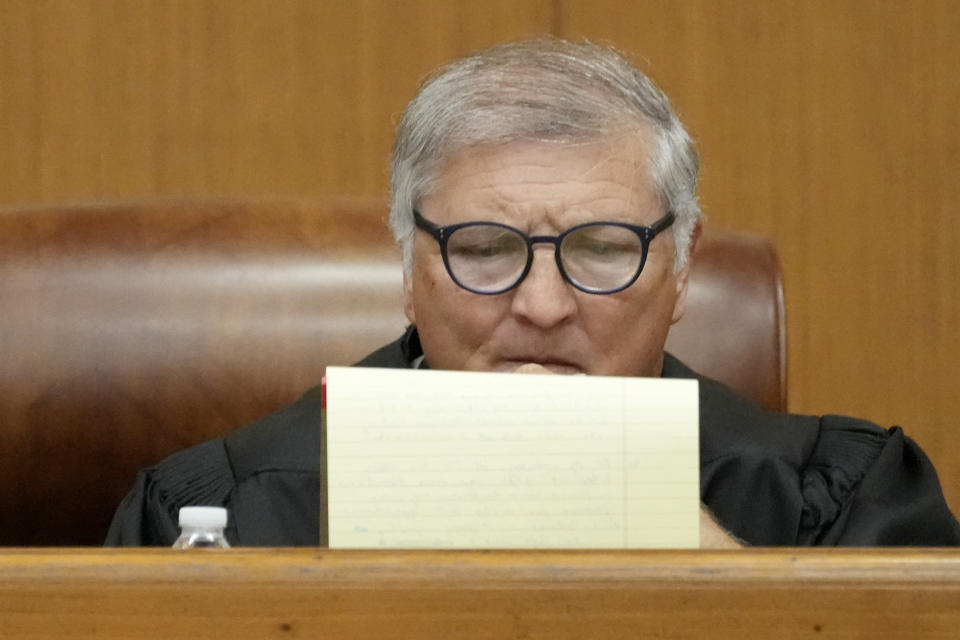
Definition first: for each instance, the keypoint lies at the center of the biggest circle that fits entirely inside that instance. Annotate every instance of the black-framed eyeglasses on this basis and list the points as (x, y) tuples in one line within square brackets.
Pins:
[(595, 257)]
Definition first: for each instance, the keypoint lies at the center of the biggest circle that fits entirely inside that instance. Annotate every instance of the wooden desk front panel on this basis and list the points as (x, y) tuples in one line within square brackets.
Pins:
[(65, 593)]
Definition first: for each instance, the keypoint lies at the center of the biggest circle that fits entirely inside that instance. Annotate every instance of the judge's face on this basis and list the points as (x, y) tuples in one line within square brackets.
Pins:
[(544, 189)]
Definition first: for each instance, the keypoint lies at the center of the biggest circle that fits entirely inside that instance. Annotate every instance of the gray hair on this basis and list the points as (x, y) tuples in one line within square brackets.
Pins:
[(540, 90)]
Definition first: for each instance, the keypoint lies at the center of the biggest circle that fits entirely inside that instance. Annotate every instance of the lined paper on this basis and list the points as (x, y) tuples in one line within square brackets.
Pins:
[(451, 459)]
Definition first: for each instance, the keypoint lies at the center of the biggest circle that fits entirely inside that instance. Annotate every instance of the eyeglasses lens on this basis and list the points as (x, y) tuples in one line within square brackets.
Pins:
[(486, 257), (602, 256)]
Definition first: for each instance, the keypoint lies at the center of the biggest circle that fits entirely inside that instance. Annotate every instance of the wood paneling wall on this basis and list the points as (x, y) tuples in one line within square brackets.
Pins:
[(830, 126), (112, 98)]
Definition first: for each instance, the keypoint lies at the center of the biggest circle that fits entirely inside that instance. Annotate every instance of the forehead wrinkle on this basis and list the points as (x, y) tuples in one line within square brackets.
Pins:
[(604, 199), (523, 211), (610, 185)]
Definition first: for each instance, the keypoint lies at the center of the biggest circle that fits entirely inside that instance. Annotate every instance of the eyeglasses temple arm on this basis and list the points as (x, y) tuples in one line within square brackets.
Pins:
[(662, 223), (427, 226)]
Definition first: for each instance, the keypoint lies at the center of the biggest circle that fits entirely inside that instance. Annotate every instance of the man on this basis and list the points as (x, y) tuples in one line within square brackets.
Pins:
[(544, 195)]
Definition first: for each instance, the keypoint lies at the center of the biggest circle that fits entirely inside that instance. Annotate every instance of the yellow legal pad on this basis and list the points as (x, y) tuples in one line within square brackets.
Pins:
[(451, 459)]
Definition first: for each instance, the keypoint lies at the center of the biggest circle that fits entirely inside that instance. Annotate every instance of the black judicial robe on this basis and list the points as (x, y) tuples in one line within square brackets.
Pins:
[(770, 478)]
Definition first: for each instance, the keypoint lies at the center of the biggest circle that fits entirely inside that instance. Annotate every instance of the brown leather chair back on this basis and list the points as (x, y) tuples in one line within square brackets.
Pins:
[(735, 326), (132, 331)]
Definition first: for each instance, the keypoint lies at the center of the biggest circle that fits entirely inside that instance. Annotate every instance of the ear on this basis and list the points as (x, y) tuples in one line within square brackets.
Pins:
[(408, 297), (683, 277)]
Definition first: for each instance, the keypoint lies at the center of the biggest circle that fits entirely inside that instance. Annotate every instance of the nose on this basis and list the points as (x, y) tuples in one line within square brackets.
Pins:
[(544, 298)]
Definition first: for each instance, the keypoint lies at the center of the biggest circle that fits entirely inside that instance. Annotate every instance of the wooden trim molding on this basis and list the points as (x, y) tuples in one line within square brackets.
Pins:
[(273, 593)]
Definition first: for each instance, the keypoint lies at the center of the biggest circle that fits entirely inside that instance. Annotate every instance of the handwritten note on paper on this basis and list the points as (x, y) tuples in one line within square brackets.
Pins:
[(450, 459)]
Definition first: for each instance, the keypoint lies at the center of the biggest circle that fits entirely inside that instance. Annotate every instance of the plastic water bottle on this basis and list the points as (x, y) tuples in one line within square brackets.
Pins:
[(202, 527)]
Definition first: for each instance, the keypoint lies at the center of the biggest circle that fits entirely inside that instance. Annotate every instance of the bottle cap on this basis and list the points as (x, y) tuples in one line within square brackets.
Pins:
[(214, 517)]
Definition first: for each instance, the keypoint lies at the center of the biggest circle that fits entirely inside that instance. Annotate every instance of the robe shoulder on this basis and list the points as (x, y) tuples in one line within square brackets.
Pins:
[(774, 478), (266, 474)]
